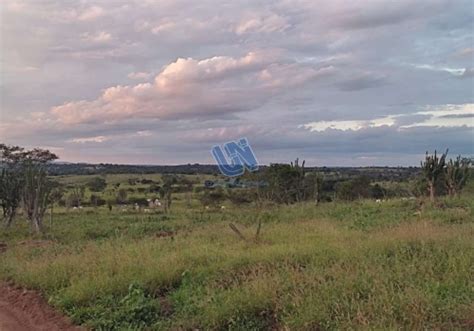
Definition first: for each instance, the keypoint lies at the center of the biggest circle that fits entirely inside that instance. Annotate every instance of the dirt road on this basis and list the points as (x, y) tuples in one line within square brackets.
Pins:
[(23, 310)]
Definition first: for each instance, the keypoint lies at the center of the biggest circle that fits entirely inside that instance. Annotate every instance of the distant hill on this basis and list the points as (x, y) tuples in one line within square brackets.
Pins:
[(64, 168), (374, 173)]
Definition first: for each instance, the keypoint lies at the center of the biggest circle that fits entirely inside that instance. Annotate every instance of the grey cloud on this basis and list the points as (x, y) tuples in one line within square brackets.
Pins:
[(56, 53), (458, 116), (362, 82), (468, 72)]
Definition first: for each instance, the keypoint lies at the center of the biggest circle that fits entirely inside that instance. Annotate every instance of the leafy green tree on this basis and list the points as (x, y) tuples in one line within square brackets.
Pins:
[(17, 155), (283, 183), (433, 169), (457, 174), (17, 168)]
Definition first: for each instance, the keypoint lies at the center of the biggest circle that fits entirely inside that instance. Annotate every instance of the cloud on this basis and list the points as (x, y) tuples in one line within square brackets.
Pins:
[(348, 125), (97, 139), (139, 75), (189, 88), (189, 71), (376, 14), (262, 24), (98, 37), (444, 116), (458, 72), (164, 27), (361, 82), (162, 80), (465, 52), (91, 13)]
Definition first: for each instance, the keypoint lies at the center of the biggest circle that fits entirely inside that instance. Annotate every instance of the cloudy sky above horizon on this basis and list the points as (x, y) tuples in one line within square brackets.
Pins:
[(161, 82)]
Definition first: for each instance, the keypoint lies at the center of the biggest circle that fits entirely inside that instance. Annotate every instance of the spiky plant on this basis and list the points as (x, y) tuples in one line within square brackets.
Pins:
[(457, 174), (433, 168), (301, 172)]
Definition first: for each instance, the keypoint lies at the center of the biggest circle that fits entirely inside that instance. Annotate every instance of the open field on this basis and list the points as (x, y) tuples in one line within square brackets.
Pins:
[(340, 265)]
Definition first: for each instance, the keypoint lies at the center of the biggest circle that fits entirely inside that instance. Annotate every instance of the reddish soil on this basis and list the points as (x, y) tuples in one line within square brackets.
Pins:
[(25, 310)]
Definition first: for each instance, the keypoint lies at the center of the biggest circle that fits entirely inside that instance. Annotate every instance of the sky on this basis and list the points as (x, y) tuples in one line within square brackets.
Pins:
[(337, 83)]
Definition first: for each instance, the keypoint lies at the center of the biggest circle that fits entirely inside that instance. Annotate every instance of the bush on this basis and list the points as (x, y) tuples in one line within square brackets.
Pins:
[(138, 200), (212, 197), (97, 184), (239, 197), (357, 188)]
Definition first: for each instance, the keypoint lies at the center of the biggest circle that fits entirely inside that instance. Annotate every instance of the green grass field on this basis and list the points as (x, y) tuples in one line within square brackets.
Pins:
[(337, 266)]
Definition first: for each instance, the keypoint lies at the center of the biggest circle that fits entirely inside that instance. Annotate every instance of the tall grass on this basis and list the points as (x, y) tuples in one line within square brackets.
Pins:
[(358, 265)]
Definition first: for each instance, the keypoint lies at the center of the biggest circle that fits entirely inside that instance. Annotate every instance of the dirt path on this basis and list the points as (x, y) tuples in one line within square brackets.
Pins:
[(24, 310)]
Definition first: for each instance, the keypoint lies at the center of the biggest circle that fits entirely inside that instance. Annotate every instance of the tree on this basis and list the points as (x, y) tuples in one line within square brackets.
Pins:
[(457, 174), (11, 181), (167, 190), (16, 155), (283, 183), (300, 172), (11, 184), (14, 160), (11, 154), (36, 194), (356, 188), (74, 199), (433, 168), (97, 184)]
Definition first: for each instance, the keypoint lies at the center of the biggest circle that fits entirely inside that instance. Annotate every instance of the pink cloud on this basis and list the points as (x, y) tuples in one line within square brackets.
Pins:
[(262, 24), (91, 13), (187, 88)]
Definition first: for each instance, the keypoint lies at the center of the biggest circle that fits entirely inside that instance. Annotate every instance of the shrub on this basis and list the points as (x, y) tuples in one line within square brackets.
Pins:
[(97, 184)]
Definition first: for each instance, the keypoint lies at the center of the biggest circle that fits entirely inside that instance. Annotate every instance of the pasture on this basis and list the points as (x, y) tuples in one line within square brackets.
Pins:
[(398, 264)]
